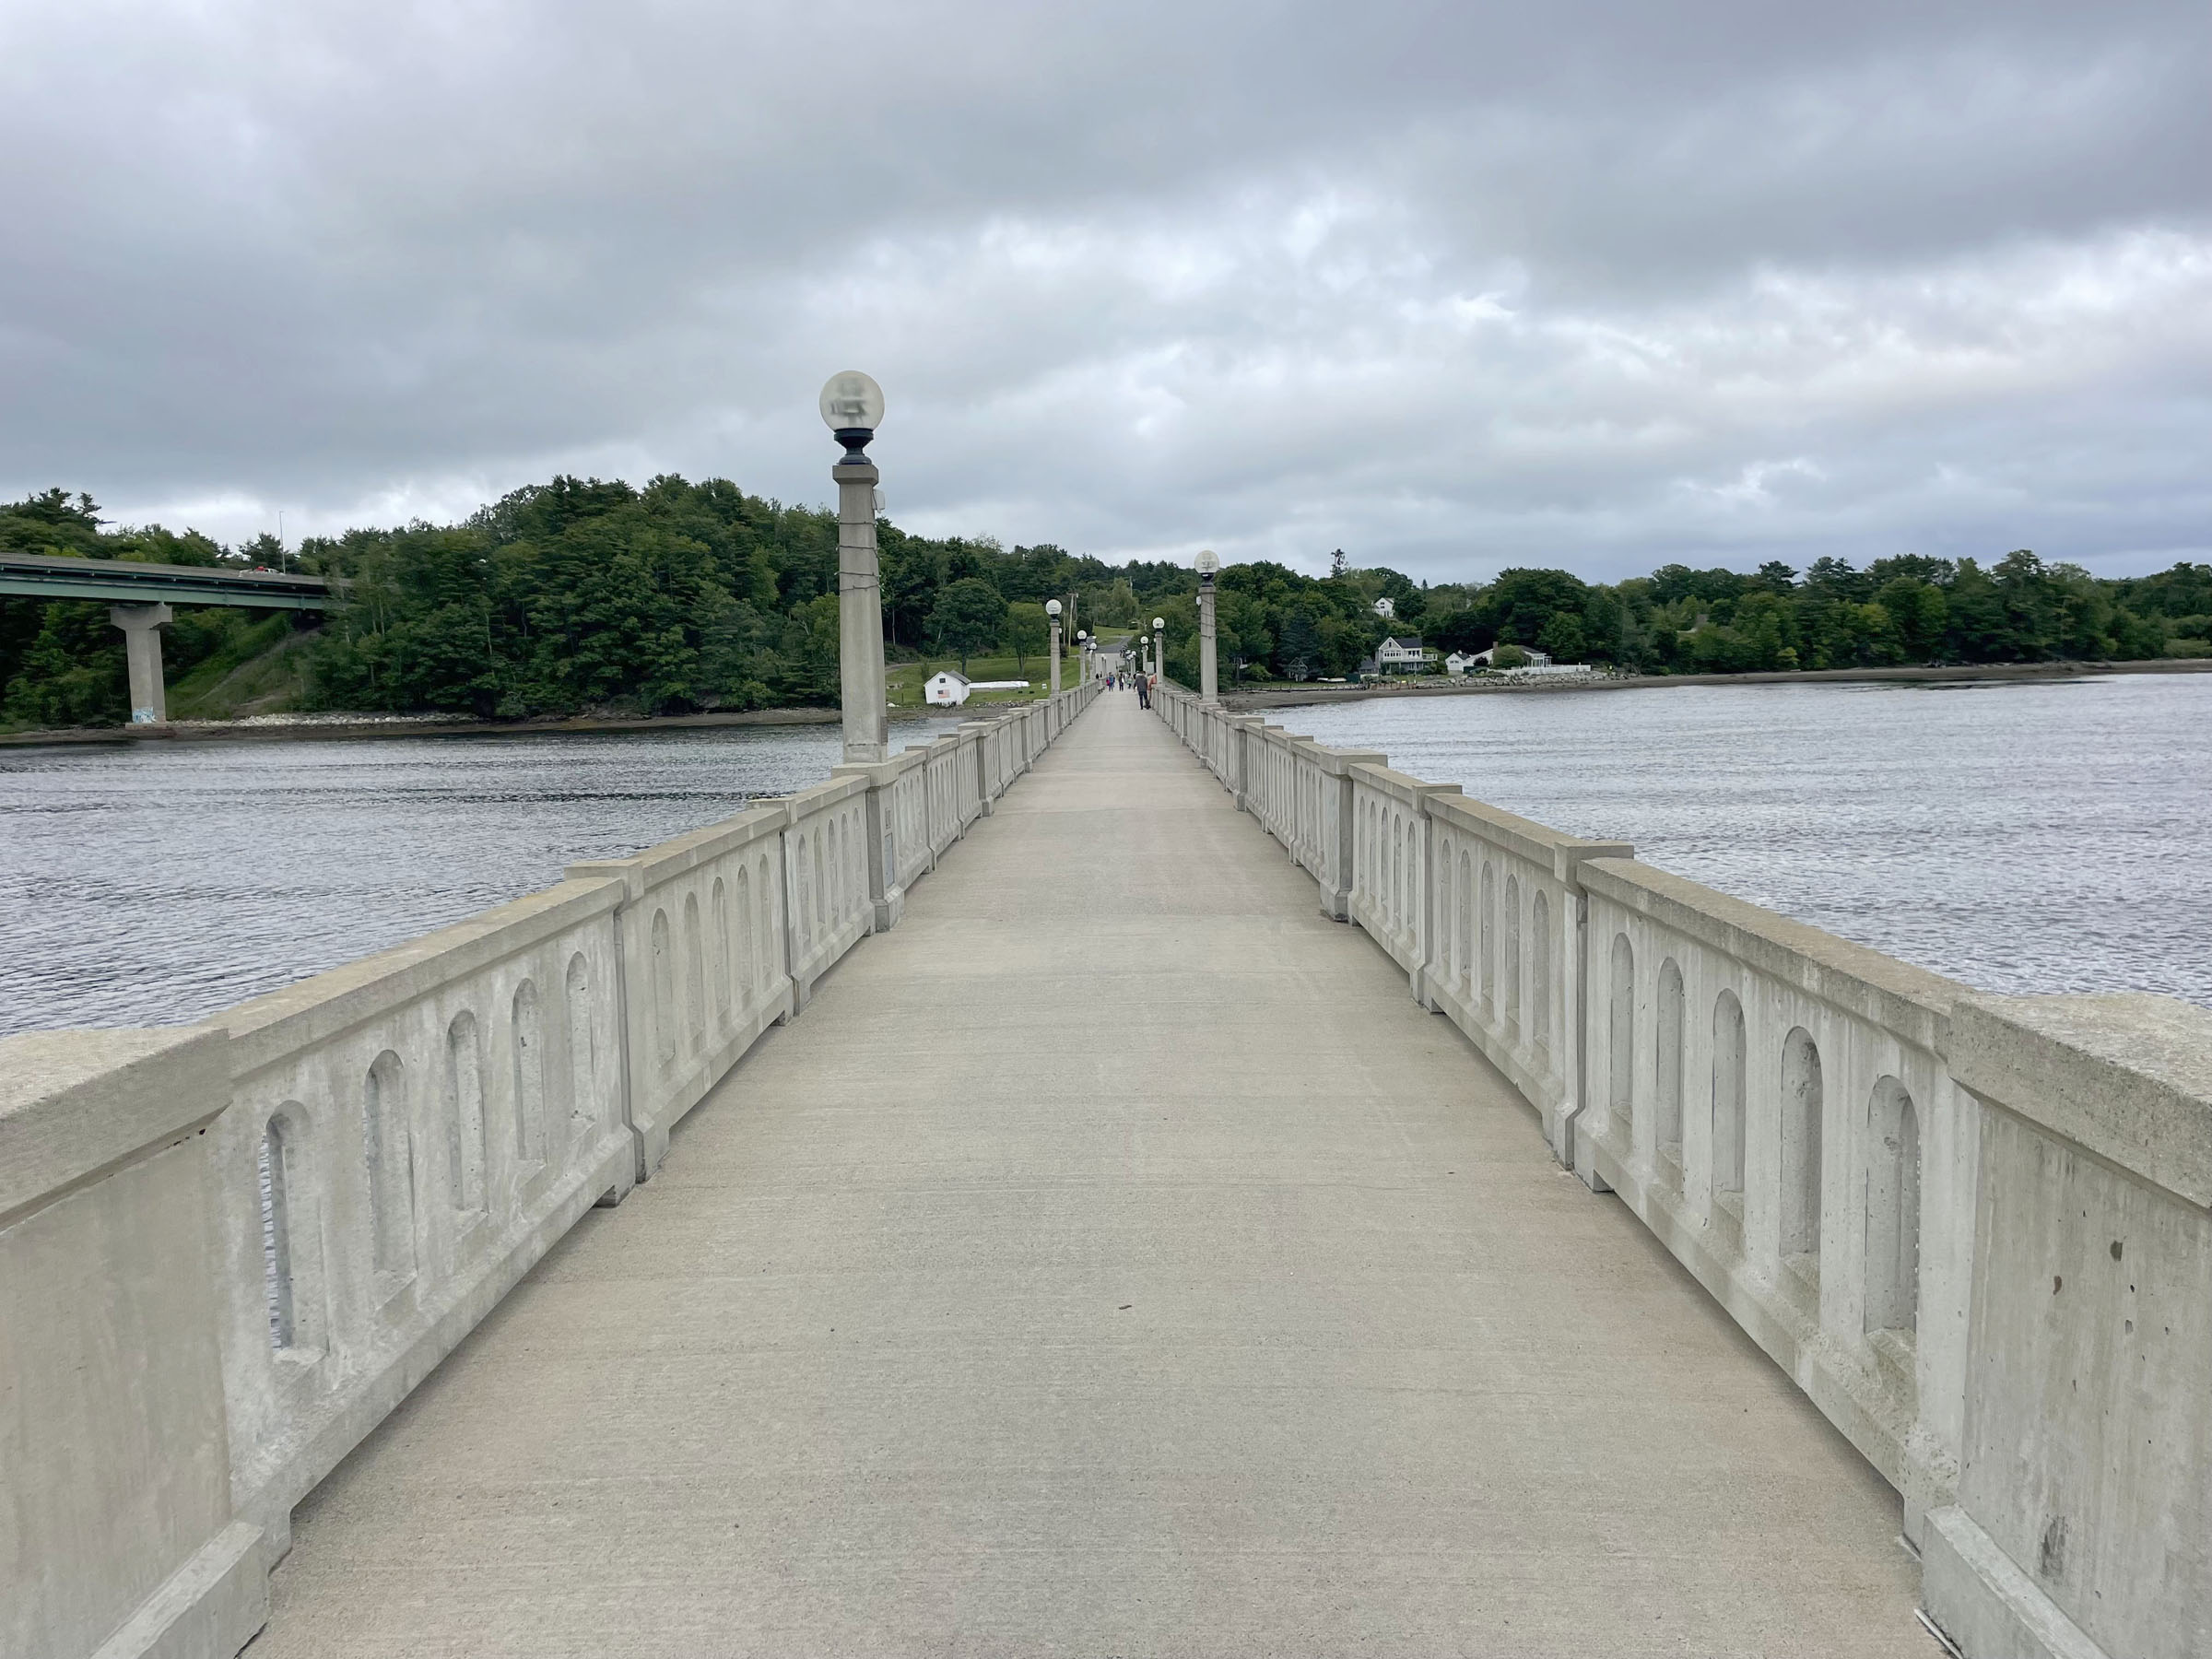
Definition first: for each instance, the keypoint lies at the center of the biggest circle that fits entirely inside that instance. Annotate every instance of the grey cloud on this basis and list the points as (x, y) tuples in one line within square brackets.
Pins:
[(1594, 284)]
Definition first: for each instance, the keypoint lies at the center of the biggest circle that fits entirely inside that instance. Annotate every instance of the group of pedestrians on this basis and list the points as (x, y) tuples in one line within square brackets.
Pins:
[(1124, 679)]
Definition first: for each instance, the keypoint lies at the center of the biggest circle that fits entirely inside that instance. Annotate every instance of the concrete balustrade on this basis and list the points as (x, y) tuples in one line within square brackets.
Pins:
[(1977, 1232), (1769, 1099), (403, 1138), (1303, 793), (1391, 880), (1509, 912), (228, 1252), (826, 879), (705, 930)]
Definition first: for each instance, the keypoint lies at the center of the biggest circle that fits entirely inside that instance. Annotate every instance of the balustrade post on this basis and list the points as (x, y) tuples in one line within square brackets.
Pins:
[(1572, 952), (977, 735), (792, 906), (113, 1299), (887, 891), (1338, 828), (1426, 931), (1246, 739)]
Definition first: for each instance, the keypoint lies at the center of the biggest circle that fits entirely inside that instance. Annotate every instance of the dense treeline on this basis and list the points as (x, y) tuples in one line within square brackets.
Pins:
[(1901, 610), (580, 594), (571, 595)]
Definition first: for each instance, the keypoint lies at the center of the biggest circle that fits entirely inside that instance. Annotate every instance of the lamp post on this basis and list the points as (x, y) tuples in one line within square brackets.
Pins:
[(1082, 657), (852, 408), (1160, 646), (1209, 680), (1052, 611)]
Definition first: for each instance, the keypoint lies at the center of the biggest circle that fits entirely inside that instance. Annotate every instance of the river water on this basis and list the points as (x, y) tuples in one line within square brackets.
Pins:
[(2051, 835), (160, 882)]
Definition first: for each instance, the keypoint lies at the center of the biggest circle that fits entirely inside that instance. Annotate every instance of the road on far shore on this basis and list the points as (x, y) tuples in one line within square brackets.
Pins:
[(1278, 696)]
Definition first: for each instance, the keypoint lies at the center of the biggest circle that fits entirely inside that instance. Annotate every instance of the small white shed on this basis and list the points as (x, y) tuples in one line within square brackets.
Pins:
[(946, 689)]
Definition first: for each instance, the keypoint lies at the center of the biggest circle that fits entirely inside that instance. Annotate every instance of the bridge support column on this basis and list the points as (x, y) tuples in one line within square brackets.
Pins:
[(142, 625)]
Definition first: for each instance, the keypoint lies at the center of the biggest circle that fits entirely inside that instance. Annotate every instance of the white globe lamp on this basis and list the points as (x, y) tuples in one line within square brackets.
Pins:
[(852, 409)]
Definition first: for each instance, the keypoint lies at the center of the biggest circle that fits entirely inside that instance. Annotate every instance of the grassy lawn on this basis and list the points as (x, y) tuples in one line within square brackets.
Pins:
[(263, 672), (903, 680)]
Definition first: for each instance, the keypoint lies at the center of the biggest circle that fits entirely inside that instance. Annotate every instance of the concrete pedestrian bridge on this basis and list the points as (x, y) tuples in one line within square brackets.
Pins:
[(1112, 1182)]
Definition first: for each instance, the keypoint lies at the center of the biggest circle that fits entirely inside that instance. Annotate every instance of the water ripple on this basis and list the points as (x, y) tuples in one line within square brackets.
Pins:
[(162, 882), (2045, 836)]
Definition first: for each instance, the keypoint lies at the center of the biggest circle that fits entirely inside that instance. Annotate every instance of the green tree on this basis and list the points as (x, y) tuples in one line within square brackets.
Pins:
[(1300, 648), (1026, 632), (969, 616), (1919, 613), (1521, 604), (1561, 638)]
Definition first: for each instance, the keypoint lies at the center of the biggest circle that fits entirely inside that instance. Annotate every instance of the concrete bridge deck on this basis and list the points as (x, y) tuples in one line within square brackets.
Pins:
[(1113, 1259)]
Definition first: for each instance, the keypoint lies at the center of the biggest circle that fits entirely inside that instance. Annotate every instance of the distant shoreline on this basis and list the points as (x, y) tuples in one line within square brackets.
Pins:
[(1275, 697), (289, 731)]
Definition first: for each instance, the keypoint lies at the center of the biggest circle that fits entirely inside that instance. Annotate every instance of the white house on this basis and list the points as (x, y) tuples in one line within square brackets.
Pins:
[(949, 690), (1386, 606), (1403, 655), (1534, 658), (1459, 662)]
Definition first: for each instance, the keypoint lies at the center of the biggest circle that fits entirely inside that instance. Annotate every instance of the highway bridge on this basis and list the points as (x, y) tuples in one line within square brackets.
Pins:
[(140, 598)]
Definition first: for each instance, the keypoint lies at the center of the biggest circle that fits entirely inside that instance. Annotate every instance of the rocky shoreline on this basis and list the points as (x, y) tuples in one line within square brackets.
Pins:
[(326, 727), (1278, 697)]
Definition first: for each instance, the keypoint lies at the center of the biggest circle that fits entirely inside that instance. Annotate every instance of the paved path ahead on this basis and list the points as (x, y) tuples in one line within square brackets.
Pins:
[(1112, 1260)]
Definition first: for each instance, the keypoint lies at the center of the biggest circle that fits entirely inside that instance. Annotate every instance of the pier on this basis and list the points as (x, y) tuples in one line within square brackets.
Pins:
[(1115, 1182)]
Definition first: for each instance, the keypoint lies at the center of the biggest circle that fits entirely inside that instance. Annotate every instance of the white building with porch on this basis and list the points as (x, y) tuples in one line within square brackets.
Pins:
[(1406, 655)]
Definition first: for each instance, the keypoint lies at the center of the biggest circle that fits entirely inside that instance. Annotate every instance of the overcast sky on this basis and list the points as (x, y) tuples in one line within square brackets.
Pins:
[(1593, 283)]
